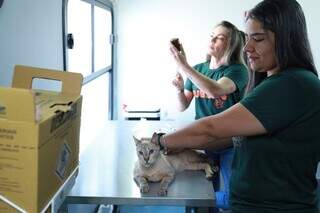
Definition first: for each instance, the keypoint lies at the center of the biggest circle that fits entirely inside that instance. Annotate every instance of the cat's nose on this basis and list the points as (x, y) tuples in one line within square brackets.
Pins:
[(146, 159)]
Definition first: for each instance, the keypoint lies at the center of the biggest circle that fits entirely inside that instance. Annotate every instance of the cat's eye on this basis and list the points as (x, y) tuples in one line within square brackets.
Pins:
[(141, 153), (151, 151)]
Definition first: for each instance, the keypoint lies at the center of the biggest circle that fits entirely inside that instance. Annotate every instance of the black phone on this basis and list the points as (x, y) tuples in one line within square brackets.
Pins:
[(176, 43)]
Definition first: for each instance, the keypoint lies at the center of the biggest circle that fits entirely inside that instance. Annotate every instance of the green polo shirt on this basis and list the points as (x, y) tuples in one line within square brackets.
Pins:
[(206, 106), (275, 172)]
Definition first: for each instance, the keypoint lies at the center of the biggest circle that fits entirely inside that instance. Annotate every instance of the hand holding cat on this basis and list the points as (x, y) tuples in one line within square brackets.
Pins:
[(161, 142), (174, 151)]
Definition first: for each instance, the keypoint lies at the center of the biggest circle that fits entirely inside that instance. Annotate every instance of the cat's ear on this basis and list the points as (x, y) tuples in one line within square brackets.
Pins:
[(154, 138), (136, 140)]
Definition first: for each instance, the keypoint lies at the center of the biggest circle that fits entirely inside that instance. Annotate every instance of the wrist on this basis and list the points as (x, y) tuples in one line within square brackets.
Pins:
[(186, 68), (159, 142), (162, 142)]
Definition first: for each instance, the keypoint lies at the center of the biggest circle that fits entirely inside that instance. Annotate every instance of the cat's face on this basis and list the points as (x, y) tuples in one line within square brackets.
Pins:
[(147, 151)]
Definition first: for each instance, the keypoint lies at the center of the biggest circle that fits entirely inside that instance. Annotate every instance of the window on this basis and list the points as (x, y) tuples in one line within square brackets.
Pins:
[(88, 43), (79, 37), (102, 38)]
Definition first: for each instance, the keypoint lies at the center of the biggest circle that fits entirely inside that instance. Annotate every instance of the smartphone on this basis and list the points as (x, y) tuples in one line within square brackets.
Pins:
[(176, 43)]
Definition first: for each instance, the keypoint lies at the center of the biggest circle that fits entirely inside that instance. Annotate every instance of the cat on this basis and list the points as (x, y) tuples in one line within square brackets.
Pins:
[(154, 166)]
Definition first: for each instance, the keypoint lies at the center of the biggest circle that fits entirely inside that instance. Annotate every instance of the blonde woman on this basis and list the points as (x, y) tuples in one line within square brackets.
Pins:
[(216, 84)]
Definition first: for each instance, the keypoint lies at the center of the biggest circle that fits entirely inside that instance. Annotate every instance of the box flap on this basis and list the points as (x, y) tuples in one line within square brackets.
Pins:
[(49, 104), (17, 104), (23, 76)]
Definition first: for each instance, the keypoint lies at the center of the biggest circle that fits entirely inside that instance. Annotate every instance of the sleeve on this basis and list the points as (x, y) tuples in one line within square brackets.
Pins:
[(277, 102), (238, 74), (188, 85)]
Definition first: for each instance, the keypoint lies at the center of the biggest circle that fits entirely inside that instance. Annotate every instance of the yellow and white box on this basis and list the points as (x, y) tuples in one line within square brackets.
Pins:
[(39, 138)]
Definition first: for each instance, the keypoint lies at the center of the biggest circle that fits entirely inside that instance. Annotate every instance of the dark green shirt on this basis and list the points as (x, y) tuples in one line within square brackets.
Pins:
[(205, 105), (275, 172)]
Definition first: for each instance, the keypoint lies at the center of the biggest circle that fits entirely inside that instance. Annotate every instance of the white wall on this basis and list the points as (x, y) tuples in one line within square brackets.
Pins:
[(30, 34), (145, 68), (311, 11)]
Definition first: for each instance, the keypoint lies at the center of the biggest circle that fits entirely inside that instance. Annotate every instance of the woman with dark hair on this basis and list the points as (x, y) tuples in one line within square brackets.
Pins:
[(216, 85), (292, 44), (275, 127)]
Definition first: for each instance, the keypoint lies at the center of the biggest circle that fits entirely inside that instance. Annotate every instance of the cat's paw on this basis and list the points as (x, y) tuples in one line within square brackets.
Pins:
[(163, 192), (212, 172), (144, 188)]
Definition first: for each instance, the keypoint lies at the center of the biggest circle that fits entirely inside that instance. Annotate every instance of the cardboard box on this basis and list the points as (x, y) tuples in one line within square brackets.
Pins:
[(39, 138)]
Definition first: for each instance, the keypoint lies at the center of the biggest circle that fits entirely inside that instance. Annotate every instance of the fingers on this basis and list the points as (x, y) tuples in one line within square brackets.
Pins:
[(176, 84), (178, 56), (178, 79), (182, 50), (175, 151), (178, 75), (174, 51)]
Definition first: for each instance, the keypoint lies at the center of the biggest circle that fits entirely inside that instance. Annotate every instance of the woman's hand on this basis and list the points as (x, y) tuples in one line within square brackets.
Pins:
[(178, 82), (179, 56)]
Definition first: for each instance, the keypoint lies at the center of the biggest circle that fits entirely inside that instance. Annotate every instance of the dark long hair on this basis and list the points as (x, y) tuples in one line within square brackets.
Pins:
[(286, 20)]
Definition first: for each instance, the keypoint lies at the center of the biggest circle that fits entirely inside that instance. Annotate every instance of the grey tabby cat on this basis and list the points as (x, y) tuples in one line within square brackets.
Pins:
[(154, 166)]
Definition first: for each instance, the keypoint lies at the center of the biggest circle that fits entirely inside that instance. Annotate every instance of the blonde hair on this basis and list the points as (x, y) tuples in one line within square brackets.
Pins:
[(234, 51)]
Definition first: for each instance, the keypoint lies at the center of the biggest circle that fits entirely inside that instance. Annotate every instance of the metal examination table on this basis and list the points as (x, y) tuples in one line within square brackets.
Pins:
[(106, 171)]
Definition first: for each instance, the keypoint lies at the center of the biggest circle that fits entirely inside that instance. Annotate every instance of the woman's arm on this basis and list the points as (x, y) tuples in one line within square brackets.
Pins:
[(218, 145), (235, 121), (184, 99), (223, 86), (184, 96)]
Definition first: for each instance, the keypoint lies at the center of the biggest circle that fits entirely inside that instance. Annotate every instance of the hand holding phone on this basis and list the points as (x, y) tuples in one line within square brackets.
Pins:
[(176, 43)]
